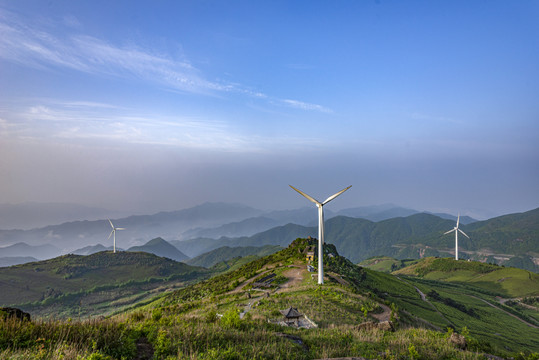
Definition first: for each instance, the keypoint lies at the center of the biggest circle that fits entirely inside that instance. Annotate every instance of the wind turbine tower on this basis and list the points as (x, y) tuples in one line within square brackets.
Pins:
[(113, 233), (320, 206), (457, 230)]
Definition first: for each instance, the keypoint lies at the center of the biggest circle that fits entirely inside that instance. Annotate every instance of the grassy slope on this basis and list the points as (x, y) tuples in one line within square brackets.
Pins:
[(486, 323), (338, 305), (184, 323), (92, 284), (506, 281), (386, 263)]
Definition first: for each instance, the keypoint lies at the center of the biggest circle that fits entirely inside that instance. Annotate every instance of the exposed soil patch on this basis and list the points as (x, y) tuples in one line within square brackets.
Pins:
[(295, 277), (144, 349), (248, 281)]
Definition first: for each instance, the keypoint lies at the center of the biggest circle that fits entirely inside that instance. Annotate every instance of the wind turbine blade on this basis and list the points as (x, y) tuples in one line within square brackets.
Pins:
[(112, 226), (458, 219), (447, 232), (110, 234), (335, 195), (463, 233), (307, 196), (120, 228)]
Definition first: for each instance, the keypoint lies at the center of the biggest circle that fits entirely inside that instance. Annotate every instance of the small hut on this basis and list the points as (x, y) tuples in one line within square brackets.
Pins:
[(291, 316)]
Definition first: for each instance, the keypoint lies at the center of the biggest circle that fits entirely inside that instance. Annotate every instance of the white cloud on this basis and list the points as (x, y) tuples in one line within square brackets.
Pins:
[(90, 122), (306, 106), (32, 46)]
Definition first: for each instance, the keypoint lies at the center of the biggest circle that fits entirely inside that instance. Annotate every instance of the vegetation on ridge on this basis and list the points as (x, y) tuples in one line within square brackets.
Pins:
[(75, 285), (203, 321), (506, 281)]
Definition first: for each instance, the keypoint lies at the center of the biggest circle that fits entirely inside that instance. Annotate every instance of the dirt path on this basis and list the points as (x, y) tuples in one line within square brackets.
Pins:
[(384, 316), (249, 306), (508, 313), (530, 307), (421, 294), (248, 281), (295, 277)]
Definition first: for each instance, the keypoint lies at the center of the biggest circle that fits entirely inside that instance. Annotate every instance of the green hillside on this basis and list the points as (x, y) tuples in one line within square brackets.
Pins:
[(229, 317), (421, 235), (349, 290), (84, 285), (507, 281), (386, 263), (224, 253), (513, 233)]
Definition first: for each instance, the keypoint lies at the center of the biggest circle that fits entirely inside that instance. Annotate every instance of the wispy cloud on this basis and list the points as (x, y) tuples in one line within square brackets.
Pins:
[(41, 47), (60, 121), (37, 48), (306, 106)]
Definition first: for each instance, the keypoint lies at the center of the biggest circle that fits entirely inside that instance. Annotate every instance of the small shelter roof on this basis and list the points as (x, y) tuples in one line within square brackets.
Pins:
[(291, 313)]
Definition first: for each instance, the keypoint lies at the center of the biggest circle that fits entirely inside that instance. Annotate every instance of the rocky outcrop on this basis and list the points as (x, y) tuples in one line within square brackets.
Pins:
[(383, 325), (8, 312), (458, 340)]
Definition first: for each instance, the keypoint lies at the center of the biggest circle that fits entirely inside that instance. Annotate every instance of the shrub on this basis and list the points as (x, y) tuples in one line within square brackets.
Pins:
[(163, 345), (211, 316), (231, 319)]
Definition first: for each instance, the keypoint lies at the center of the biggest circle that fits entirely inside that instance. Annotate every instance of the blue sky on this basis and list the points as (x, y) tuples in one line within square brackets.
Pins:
[(145, 106)]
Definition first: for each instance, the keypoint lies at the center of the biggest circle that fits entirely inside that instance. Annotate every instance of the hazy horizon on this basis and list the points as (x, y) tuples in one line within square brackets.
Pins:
[(144, 107)]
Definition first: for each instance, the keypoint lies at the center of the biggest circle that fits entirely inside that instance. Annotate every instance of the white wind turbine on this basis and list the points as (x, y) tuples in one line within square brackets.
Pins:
[(320, 206), (113, 232), (457, 230)]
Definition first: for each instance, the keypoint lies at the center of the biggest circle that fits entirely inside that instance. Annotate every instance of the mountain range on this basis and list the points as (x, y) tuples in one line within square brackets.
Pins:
[(209, 220), (138, 228), (419, 235), (509, 238), (33, 215)]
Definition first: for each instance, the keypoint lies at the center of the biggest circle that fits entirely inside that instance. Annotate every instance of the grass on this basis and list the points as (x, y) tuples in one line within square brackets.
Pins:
[(74, 285), (504, 281), (486, 324), (386, 263), (184, 324), (47, 339)]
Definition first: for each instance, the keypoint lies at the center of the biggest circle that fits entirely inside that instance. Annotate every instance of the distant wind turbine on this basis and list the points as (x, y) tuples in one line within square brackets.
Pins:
[(113, 232), (320, 206), (457, 230)]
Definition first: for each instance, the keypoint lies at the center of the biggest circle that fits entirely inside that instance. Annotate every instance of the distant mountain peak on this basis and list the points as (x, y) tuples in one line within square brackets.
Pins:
[(160, 247), (157, 241)]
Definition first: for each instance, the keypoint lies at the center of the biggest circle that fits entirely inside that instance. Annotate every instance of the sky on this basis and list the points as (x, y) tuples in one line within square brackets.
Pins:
[(147, 106)]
